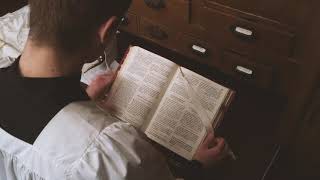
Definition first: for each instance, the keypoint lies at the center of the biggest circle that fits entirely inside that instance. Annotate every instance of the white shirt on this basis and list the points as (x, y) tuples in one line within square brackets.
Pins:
[(82, 142)]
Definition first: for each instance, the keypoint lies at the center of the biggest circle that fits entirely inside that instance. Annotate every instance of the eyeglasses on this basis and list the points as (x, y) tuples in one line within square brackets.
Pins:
[(103, 59)]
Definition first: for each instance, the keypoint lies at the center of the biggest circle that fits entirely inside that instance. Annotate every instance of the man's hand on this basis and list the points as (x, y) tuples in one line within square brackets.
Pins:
[(100, 87), (211, 151)]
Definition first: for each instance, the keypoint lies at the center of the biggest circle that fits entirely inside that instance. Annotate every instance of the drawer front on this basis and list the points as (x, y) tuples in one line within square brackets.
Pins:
[(130, 23), (244, 36), (197, 49), (240, 67), (159, 34), (281, 11), (167, 12)]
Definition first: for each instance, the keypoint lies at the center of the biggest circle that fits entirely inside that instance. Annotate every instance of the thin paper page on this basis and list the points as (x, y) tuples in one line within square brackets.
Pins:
[(139, 85), (210, 94), (196, 100), (177, 124)]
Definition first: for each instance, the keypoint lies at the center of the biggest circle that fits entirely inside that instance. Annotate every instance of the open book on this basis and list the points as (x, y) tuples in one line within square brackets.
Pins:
[(172, 105)]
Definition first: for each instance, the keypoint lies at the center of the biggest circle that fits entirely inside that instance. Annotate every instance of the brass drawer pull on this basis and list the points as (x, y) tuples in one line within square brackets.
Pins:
[(156, 32), (243, 33), (199, 50), (245, 72), (155, 4)]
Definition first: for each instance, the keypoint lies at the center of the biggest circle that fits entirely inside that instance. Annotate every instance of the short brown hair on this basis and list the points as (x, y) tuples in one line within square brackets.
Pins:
[(69, 25)]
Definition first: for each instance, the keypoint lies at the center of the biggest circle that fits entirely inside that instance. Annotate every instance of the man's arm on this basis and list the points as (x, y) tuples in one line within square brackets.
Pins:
[(119, 152)]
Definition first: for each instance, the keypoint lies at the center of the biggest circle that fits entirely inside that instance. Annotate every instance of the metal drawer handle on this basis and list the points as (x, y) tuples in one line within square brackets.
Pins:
[(199, 50), (243, 33), (155, 4), (156, 32), (244, 71)]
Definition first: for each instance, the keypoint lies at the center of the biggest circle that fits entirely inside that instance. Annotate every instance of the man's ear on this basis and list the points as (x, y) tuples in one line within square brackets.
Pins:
[(105, 28)]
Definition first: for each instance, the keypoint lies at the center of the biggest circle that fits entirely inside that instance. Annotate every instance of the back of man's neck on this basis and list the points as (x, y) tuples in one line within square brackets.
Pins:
[(45, 62)]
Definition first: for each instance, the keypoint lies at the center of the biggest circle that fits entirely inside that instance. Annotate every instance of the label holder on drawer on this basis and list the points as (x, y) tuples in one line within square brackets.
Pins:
[(199, 50), (243, 32), (244, 72)]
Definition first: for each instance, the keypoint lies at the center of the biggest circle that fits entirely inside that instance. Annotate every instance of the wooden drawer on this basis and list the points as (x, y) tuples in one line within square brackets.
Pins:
[(197, 49), (244, 36), (130, 23), (170, 13), (157, 33), (240, 67), (278, 11)]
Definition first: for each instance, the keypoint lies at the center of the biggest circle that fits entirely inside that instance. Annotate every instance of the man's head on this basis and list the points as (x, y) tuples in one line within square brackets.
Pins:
[(70, 26)]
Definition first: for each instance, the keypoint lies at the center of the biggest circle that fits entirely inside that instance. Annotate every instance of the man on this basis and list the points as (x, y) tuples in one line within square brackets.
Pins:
[(44, 134)]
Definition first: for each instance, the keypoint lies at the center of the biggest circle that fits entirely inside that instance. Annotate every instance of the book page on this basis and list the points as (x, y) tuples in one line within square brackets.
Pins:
[(176, 123), (140, 85)]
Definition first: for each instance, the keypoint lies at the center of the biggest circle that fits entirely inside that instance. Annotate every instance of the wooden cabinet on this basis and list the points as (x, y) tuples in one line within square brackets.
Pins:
[(255, 30), (307, 146), (263, 43)]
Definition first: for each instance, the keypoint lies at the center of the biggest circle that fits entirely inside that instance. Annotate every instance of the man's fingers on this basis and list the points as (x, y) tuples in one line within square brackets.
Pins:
[(102, 80), (106, 77), (219, 146), (100, 85), (209, 140)]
